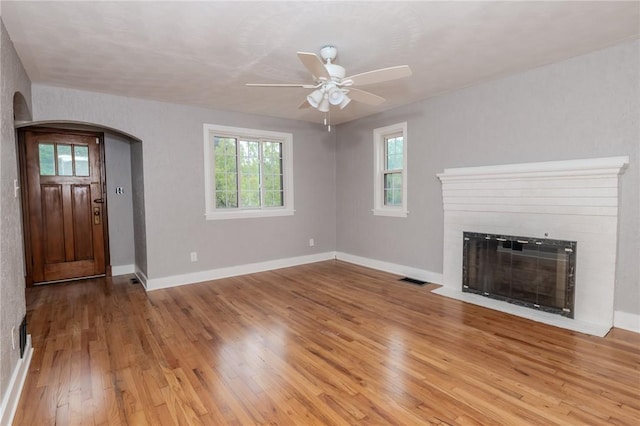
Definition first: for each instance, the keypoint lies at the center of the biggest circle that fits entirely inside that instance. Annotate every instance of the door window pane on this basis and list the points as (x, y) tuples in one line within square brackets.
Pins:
[(47, 159), (65, 161), (81, 159)]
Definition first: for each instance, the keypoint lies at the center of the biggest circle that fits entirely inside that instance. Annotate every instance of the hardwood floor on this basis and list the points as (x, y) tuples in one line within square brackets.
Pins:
[(328, 344)]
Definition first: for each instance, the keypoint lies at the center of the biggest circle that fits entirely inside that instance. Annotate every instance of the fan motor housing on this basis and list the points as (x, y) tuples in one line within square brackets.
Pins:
[(329, 53), (335, 71)]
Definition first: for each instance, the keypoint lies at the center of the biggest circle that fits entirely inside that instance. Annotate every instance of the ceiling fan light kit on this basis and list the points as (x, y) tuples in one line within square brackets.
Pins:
[(315, 98), (345, 102), (331, 88), (324, 105), (336, 95)]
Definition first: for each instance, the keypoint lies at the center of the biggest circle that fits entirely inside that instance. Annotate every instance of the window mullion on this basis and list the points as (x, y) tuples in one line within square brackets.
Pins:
[(261, 168), (238, 177)]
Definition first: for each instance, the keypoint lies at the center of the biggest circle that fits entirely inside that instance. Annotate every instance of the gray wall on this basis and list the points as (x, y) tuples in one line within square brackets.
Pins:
[(173, 172), (137, 195), (584, 107), (12, 285), (119, 206)]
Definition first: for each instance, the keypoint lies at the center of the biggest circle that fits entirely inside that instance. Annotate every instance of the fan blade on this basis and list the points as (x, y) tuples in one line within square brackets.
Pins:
[(304, 105), (379, 76), (304, 86), (314, 64), (365, 97)]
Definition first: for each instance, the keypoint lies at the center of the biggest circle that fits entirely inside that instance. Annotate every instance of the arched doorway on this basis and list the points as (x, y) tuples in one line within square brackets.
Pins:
[(123, 190)]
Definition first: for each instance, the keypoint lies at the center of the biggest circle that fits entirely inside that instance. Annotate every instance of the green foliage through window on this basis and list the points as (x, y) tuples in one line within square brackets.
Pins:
[(393, 189), (47, 161), (248, 173), (393, 153), (59, 159)]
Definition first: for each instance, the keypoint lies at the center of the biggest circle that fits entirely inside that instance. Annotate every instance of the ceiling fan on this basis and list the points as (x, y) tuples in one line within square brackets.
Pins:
[(332, 88)]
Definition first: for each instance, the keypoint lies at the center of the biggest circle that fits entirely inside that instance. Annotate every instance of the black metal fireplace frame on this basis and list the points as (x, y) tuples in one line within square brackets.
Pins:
[(516, 243)]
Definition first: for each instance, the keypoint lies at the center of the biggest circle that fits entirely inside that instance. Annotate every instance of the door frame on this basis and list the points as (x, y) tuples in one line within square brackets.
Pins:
[(26, 226)]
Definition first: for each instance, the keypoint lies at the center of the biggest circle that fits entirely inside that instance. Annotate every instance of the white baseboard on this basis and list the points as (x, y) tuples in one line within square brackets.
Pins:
[(407, 271), (123, 270), (141, 277), (12, 396), (232, 271), (626, 321)]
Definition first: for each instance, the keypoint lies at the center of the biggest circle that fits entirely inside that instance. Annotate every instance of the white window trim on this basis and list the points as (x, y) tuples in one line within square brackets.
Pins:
[(379, 208), (211, 213)]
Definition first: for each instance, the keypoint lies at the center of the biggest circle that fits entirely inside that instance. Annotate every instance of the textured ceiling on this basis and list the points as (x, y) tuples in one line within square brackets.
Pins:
[(202, 53)]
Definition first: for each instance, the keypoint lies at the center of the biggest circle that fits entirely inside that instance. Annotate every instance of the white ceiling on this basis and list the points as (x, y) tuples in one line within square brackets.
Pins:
[(202, 53)]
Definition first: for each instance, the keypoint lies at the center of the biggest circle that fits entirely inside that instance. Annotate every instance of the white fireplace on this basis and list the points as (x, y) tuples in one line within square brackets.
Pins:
[(574, 200)]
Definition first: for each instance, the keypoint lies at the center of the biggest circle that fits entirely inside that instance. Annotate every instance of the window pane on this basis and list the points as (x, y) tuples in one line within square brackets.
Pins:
[(65, 161), (220, 200), (394, 153), (273, 199), (81, 159), (249, 162), (250, 199), (226, 172), (248, 172), (47, 160), (272, 174), (230, 164), (393, 189), (226, 199)]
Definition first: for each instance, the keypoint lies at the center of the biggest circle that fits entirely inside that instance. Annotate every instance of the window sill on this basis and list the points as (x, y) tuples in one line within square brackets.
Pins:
[(246, 214), (390, 212)]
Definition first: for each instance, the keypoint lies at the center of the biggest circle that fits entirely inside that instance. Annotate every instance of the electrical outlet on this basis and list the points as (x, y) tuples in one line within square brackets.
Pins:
[(311, 242), (16, 188), (194, 256), (13, 337)]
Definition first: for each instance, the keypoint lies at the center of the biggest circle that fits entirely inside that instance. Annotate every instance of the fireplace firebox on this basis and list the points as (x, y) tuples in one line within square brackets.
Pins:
[(532, 272)]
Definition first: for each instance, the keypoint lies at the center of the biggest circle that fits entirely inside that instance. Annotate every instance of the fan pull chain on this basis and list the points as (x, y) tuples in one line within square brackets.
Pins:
[(327, 120)]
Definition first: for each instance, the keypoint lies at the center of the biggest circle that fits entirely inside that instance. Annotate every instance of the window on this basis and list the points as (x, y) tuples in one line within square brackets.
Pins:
[(57, 159), (248, 173), (390, 170)]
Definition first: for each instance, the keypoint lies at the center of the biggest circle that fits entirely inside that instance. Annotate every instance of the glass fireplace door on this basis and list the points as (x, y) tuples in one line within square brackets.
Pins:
[(539, 273)]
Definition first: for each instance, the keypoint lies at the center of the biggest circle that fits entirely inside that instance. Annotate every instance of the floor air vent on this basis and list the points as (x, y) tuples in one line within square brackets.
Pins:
[(23, 335), (412, 281)]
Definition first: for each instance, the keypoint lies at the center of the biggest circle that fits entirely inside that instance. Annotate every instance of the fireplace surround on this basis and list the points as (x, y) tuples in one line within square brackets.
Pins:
[(573, 200)]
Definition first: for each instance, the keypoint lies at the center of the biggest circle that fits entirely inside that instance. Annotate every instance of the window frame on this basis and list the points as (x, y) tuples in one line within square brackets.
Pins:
[(379, 170), (214, 213)]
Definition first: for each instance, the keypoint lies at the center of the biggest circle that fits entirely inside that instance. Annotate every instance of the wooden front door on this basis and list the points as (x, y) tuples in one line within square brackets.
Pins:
[(64, 205)]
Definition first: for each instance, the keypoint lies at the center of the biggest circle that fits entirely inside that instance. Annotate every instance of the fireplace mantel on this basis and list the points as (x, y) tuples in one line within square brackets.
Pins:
[(574, 200)]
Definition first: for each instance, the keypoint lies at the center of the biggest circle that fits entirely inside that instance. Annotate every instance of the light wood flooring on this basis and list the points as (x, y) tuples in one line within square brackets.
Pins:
[(322, 344)]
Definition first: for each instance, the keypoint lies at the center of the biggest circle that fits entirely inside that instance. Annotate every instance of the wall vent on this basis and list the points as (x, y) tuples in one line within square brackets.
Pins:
[(23, 335)]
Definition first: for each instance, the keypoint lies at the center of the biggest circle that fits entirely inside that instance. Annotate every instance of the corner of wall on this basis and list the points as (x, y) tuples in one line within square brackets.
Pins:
[(626, 321), (12, 396)]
